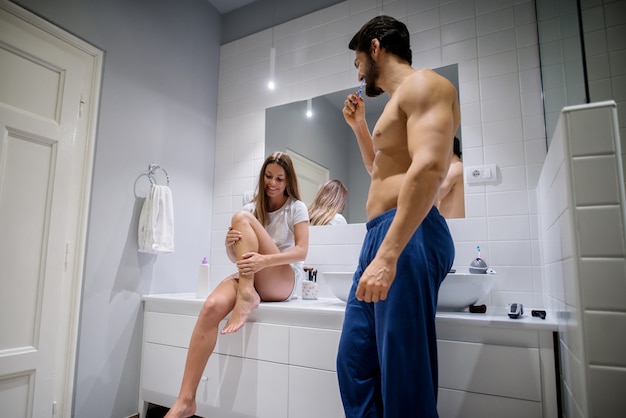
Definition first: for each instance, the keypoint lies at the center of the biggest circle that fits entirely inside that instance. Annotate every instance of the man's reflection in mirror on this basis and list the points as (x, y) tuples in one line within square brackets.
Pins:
[(452, 191)]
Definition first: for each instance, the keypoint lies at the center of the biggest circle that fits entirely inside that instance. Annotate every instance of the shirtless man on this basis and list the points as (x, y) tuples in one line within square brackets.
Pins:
[(387, 357), (452, 191)]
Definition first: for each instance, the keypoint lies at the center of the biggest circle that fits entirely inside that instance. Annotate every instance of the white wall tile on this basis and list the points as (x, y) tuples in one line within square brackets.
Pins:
[(596, 180), (468, 230), (458, 31), (510, 253), (535, 151), (473, 156), (493, 43), (459, 51), (533, 171), (426, 40), (502, 132), (486, 6), (534, 127), (603, 283), (599, 67), (419, 6), (507, 203), (495, 21), (532, 103), (606, 348), (504, 108), (605, 388), (502, 63), (525, 14), (424, 20), (514, 279), (431, 58), (528, 57), (595, 43), (454, 12), (526, 35), (509, 179), (600, 231), (475, 205), (509, 228), (498, 154), (500, 299), (498, 86)]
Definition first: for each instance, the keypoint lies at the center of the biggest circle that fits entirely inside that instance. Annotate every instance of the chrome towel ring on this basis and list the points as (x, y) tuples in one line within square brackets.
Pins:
[(152, 168)]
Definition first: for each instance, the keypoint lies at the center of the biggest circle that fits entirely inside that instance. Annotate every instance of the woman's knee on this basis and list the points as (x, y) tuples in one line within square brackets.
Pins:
[(215, 308), (242, 216)]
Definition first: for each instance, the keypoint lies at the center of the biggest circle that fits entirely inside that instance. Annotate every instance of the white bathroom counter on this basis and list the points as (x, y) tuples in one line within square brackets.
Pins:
[(328, 313), (285, 355)]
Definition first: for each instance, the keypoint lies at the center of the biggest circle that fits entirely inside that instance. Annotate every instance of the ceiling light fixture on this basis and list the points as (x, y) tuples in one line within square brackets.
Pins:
[(271, 85), (309, 108)]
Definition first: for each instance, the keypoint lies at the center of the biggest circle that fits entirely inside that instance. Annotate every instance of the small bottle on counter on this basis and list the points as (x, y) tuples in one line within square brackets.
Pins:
[(204, 273)]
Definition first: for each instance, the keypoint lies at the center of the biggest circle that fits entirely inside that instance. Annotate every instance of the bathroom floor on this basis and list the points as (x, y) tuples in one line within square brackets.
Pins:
[(157, 411)]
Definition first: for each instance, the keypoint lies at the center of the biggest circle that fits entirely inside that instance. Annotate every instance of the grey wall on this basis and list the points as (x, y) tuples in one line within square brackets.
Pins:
[(158, 105)]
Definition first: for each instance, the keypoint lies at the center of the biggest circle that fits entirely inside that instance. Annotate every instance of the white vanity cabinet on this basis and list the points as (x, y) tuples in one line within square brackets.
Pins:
[(281, 364), (275, 370), (490, 370)]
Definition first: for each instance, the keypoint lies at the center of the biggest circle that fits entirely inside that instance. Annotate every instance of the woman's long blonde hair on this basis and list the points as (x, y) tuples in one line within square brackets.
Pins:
[(291, 189), (329, 201)]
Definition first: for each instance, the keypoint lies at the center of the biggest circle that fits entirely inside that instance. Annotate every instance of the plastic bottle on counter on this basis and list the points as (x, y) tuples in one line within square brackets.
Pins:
[(202, 291)]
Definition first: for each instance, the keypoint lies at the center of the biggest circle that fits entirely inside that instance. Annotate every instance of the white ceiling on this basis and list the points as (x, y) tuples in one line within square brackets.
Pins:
[(225, 6)]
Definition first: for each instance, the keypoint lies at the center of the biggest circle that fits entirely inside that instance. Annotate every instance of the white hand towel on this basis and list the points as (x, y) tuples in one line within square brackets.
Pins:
[(156, 222)]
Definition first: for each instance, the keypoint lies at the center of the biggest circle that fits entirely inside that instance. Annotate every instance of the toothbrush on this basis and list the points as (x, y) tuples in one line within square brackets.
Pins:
[(360, 90), (478, 249)]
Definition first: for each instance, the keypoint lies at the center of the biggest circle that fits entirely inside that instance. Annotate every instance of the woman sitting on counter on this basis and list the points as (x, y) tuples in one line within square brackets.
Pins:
[(268, 240)]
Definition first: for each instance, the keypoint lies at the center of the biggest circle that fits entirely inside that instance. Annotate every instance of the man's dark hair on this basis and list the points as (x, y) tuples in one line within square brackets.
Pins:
[(457, 147), (392, 34)]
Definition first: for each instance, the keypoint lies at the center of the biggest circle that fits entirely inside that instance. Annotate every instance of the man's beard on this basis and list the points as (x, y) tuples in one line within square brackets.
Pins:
[(371, 90)]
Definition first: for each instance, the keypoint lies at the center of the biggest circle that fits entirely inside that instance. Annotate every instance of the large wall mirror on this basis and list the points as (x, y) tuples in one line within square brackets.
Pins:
[(326, 141)]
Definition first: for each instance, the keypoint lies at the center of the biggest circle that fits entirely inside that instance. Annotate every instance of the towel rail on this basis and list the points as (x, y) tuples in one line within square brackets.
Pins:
[(152, 168)]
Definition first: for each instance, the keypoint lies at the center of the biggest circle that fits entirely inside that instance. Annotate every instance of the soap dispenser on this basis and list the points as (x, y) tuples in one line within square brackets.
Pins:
[(202, 290)]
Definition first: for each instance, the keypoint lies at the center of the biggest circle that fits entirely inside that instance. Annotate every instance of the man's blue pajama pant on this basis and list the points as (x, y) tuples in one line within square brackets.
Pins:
[(387, 358)]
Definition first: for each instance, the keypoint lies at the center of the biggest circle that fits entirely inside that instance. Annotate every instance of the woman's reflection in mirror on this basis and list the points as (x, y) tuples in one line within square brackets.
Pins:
[(328, 204)]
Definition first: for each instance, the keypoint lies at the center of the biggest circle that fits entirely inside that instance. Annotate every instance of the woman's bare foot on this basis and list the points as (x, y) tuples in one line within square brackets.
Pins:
[(247, 301), (181, 409)]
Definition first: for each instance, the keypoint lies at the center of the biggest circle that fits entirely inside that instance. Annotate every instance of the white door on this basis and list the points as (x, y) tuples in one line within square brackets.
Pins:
[(311, 176), (49, 88)]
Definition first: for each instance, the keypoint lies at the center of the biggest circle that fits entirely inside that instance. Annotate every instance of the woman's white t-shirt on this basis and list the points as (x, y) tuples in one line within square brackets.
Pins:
[(280, 226), (338, 219)]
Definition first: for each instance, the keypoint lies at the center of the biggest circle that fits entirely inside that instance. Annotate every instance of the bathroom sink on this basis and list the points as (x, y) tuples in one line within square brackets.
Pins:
[(460, 290), (339, 282), (457, 291)]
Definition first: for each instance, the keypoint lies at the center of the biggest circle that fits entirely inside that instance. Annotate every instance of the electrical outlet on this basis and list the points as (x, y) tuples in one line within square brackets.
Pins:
[(481, 174)]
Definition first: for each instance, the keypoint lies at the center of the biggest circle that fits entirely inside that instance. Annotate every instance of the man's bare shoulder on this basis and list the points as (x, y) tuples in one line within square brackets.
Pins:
[(425, 86)]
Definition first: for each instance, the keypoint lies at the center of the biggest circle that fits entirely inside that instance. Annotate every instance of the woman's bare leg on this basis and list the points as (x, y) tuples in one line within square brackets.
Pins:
[(254, 238), (247, 297), (203, 339)]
